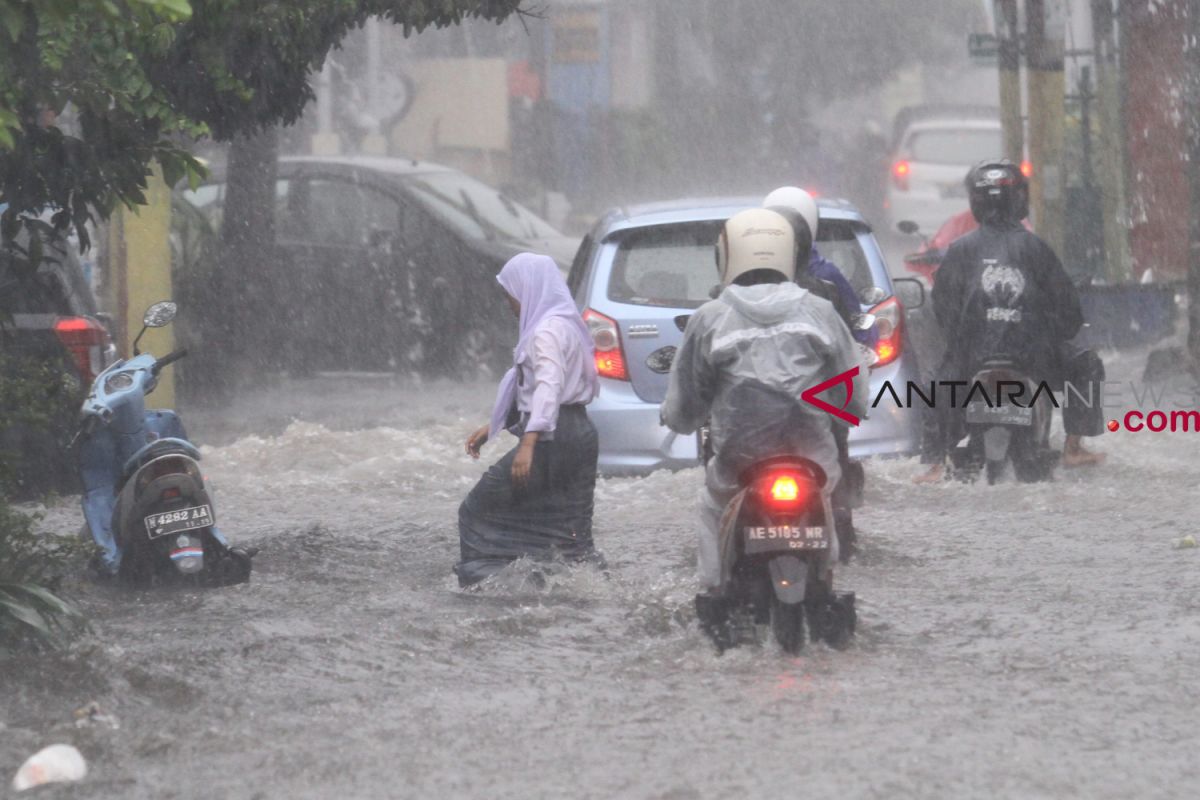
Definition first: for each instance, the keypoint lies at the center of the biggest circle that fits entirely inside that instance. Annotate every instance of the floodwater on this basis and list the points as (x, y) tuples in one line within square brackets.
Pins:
[(1014, 641)]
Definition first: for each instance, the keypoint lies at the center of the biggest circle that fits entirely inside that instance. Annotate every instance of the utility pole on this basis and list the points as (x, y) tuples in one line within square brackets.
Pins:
[(1009, 57), (1192, 49), (1110, 142), (1047, 92)]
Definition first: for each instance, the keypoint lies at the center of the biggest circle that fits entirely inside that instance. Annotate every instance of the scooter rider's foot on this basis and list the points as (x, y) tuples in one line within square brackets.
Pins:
[(1075, 455), (935, 474), (712, 611)]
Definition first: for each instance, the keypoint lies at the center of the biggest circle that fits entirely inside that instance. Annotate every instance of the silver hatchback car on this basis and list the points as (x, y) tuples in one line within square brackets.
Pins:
[(642, 271)]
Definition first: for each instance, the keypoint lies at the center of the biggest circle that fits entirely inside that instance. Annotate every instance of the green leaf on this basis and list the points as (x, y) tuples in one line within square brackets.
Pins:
[(27, 616), (52, 602)]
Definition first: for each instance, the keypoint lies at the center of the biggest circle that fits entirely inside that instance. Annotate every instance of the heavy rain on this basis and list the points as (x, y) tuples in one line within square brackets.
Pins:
[(257, 262)]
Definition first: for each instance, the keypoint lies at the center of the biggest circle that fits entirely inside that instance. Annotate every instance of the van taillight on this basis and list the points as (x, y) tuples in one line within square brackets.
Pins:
[(889, 327), (900, 172), (87, 342), (610, 356)]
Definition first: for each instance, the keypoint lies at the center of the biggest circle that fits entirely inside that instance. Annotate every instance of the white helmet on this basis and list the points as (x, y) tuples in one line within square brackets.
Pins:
[(798, 199), (756, 239)]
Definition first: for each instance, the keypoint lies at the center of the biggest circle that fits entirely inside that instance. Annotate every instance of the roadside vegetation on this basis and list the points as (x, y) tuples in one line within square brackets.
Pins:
[(32, 396)]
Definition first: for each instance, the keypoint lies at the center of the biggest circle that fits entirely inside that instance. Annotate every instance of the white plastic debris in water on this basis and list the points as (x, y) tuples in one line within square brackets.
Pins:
[(58, 763)]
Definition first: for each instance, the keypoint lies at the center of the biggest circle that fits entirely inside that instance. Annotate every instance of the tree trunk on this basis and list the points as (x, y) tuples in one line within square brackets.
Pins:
[(247, 250)]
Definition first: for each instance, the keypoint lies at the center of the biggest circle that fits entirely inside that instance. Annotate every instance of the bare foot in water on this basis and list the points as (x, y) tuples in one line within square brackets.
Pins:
[(936, 473), (1075, 455)]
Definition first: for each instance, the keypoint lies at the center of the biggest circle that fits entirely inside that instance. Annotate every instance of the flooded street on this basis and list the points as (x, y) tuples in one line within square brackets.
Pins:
[(1039, 641)]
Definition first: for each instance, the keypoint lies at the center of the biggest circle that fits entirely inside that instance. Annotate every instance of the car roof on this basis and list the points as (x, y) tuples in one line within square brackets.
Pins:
[(707, 209), (391, 165), (962, 124)]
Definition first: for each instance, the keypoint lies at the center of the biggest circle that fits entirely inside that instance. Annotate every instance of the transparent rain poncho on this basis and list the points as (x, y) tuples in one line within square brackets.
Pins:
[(745, 359)]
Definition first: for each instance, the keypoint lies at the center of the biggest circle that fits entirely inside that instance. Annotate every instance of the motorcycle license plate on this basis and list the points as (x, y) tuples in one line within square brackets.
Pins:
[(776, 538), (185, 519), (979, 413)]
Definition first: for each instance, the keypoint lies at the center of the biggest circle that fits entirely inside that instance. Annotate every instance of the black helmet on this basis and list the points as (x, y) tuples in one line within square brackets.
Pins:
[(999, 192)]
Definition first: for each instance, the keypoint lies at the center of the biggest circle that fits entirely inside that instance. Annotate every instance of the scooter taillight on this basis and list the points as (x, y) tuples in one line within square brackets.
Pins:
[(784, 491)]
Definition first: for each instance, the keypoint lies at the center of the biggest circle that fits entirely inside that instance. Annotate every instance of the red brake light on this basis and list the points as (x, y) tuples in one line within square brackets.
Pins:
[(1027, 169), (86, 340), (784, 489), (889, 325), (900, 172), (610, 356)]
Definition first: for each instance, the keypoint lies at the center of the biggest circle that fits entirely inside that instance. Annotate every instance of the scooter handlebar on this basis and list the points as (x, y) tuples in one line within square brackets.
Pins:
[(169, 358)]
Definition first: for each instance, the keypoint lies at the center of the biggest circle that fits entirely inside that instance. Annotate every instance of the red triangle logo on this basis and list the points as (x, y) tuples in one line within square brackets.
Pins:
[(847, 378)]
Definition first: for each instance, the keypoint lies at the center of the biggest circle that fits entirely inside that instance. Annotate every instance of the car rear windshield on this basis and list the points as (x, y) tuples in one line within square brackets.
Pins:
[(666, 265), (674, 265), (959, 147)]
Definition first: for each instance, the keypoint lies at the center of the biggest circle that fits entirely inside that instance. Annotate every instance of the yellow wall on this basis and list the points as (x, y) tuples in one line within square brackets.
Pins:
[(140, 270)]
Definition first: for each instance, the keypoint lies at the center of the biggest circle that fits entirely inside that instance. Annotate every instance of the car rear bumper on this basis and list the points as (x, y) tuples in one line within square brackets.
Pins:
[(632, 442)]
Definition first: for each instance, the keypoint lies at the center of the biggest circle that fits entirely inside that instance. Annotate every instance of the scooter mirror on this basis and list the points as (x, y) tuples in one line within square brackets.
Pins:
[(160, 314), (908, 227), (872, 295)]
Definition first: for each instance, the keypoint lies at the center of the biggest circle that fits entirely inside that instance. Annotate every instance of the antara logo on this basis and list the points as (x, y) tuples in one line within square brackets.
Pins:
[(845, 379)]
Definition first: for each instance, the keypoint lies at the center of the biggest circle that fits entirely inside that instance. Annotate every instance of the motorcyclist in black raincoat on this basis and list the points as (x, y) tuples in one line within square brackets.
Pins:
[(1002, 292)]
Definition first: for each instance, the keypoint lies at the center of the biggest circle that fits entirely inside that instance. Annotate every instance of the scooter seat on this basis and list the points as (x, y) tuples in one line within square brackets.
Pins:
[(158, 449)]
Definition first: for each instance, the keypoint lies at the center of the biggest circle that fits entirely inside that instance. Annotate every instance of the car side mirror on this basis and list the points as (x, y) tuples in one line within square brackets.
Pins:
[(910, 291)]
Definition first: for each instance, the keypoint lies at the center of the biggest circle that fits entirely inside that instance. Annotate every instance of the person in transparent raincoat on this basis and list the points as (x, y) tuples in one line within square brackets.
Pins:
[(745, 359)]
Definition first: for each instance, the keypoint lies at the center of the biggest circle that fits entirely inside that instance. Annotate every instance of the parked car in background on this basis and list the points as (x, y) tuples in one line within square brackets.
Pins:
[(932, 153), (642, 271), (51, 334), (390, 264)]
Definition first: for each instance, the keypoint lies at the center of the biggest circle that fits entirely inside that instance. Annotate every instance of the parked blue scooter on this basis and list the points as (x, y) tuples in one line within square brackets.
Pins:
[(144, 498)]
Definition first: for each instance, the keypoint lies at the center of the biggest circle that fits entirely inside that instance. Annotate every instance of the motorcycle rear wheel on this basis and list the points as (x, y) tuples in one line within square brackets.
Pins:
[(787, 625)]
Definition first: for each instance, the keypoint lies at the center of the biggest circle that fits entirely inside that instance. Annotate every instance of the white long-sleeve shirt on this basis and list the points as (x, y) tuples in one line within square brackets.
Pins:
[(558, 371)]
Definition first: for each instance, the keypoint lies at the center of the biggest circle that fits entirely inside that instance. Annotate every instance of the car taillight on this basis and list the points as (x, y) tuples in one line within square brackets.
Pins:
[(610, 356), (1027, 168), (87, 342), (889, 327), (900, 172)]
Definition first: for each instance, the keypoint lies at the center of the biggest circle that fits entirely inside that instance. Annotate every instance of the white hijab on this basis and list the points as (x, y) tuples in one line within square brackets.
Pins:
[(536, 283)]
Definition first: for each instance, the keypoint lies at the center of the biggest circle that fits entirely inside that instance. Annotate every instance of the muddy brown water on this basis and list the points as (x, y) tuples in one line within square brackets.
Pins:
[(1015, 641)]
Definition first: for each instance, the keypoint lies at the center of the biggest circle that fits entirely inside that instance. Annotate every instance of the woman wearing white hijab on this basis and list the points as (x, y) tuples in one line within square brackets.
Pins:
[(537, 500)]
